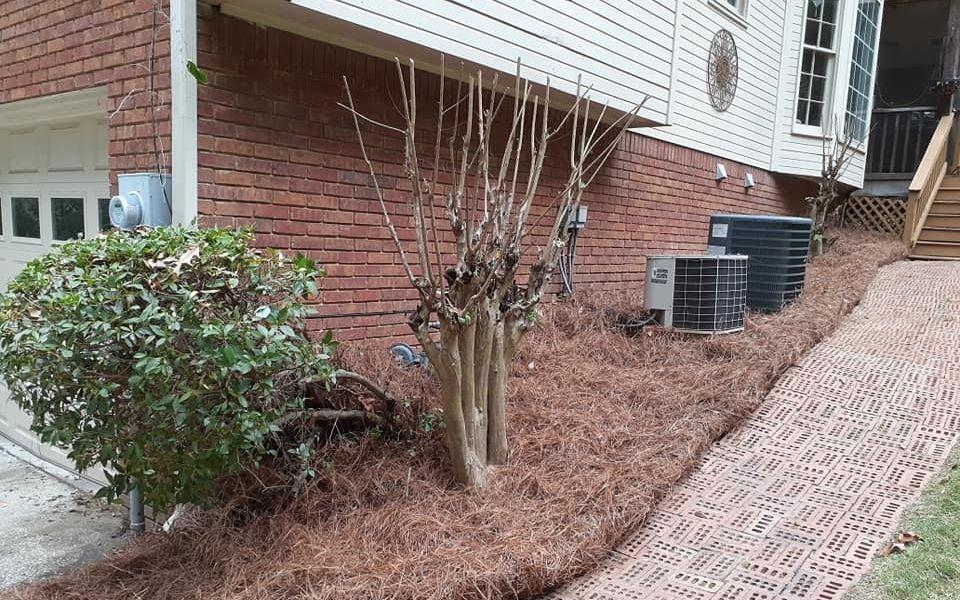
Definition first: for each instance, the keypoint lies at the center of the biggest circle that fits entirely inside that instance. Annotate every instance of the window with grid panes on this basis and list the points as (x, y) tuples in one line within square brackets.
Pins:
[(861, 69), (816, 67)]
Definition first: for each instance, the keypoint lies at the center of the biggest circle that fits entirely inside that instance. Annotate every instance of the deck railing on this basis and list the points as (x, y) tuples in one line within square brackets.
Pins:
[(898, 140), (928, 178)]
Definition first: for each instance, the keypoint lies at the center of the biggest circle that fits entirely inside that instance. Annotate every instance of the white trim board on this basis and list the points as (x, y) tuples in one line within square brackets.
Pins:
[(57, 107)]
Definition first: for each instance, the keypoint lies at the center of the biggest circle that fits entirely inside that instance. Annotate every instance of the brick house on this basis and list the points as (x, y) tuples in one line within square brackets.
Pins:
[(90, 89)]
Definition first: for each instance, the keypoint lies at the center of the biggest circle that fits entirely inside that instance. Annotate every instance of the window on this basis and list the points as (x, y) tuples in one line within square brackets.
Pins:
[(103, 214), (737, 9), (735, 4), (816, 66), (861, 71), (67, 214), (26, 217)]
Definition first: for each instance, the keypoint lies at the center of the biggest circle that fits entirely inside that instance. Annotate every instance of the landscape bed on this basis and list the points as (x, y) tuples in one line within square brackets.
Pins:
[(601, 424)]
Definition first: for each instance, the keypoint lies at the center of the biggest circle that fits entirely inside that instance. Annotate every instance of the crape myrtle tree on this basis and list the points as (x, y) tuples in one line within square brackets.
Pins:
[(836, 153), (473, 212)]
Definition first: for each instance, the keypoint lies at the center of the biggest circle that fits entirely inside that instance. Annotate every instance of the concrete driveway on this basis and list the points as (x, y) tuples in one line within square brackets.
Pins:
[(47, 524)]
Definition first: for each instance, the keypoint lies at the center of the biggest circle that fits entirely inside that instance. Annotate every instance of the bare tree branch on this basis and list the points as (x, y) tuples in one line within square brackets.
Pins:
[(413, 172), (367, 383), (377, 189)]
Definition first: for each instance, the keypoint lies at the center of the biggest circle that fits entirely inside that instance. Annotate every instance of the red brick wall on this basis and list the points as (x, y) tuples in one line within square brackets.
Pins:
[(278, 154), (56, 46)]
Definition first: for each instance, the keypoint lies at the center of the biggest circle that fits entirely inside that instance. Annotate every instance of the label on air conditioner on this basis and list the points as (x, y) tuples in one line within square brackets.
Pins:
[(716, 250), (719, 230), (660, 275)]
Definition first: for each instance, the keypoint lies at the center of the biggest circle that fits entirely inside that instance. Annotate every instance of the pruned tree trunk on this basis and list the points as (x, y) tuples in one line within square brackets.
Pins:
[(817, 220), (485, 202), (473, 361)]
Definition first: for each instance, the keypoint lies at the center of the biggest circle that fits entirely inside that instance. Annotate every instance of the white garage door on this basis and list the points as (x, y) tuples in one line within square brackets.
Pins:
[(54, 186)]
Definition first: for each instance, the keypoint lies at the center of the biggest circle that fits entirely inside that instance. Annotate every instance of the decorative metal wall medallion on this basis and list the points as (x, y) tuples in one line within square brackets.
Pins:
[(723, 70)]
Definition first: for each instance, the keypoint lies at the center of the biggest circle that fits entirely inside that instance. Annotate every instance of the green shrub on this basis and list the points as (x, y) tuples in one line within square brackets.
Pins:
[(166, 355)]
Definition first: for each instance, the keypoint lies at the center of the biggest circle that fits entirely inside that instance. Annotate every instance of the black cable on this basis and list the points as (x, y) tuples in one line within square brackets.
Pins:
[(567, 262), (573, 254)]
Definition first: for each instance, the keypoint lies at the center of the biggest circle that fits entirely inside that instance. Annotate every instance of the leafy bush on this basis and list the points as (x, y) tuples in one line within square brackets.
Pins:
[(166, 355)]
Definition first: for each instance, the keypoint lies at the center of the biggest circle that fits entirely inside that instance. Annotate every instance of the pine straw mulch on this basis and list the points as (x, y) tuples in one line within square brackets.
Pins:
[(601, 425)]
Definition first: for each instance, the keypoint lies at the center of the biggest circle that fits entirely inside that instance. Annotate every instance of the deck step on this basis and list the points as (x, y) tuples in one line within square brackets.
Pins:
[(940, 234), (948, 194), (950, 182), (942, 220), (943, 206), (935, 250)]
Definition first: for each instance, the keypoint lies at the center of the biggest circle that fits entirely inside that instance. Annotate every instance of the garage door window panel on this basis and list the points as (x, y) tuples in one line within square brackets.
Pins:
[(67, 217), (26, 217), (103, 214)]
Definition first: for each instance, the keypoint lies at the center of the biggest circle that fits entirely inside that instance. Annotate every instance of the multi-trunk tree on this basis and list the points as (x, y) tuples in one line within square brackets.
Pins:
[(475, 209)]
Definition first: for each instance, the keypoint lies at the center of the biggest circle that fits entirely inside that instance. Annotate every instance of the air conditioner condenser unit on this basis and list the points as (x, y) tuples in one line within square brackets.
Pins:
[(697, 294)]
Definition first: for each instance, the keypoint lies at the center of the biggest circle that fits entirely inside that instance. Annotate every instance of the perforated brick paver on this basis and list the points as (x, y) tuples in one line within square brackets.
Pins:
[(796, 502)]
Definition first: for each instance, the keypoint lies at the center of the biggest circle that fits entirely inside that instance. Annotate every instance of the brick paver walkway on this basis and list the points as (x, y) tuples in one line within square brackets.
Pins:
[(796, 502)]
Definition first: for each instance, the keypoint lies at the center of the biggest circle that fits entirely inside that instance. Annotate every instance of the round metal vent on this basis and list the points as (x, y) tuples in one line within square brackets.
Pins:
[(723, 70)]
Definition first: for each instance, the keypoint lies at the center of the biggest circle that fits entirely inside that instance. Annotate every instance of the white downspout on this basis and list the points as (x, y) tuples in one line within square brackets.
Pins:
[(183, 97), (183, 92)]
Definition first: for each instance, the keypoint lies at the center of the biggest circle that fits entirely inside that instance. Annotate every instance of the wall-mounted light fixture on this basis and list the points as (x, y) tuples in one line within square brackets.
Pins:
[(721, 172), (748, 181)]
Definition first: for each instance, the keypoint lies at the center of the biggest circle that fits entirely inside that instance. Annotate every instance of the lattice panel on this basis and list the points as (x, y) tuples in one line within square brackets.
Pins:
[(875, 213)]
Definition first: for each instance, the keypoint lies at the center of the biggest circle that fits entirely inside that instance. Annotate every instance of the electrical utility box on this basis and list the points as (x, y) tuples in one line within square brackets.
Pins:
[(143, 199)]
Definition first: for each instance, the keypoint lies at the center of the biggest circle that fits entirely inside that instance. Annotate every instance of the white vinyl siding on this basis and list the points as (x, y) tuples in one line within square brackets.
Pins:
[(621, 48), (860, 94), (744, 132)]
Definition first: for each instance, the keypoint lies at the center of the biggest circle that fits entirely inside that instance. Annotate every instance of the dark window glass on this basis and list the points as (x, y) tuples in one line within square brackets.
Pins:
[(815, 114), (802, 106), (103, 212), (820, 64), (819, 85), (26, 217), (826, 36), (67, 216), (813, 31)]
